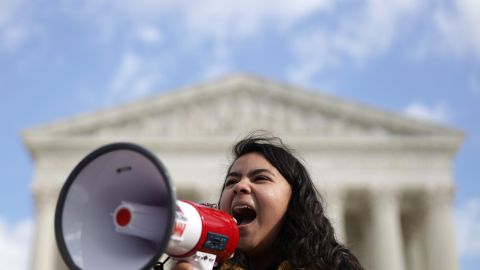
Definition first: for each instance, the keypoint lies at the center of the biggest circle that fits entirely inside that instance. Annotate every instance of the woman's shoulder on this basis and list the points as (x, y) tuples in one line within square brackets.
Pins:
[(229, 266), (285, 265)]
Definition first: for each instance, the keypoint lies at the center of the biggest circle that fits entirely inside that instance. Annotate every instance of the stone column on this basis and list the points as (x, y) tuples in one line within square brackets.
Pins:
[(44, 256), (388, 252), (334, 203), (414, 243), (439, 230)]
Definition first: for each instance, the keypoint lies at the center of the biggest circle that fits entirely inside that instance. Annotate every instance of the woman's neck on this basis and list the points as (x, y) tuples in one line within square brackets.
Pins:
[(263, 261)]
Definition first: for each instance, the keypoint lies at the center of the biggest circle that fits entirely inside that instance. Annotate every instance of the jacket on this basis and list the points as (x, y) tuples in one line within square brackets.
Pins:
[(229, 266)]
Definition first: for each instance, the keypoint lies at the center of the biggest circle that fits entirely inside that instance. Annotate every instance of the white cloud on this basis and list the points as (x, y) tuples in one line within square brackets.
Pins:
[(456, 27), (358, 36), (148, 34), (134, 78), (208, 28), (15, 242), (202, 20), (469, 20), (8, 10), (351, 35), (217, 23), (373, 27), (129, 66), (467, 219), (227, 20), (16, 25), (437, 113)]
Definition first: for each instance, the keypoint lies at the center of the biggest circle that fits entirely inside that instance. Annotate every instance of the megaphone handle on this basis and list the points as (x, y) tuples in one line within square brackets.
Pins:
[(200, 260)]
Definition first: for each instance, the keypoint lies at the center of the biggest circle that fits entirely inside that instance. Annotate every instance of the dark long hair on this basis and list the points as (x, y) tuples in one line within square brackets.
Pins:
[(307, 239)]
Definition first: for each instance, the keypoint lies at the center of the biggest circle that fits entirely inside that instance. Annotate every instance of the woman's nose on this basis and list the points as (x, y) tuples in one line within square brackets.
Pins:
[(242, 186)]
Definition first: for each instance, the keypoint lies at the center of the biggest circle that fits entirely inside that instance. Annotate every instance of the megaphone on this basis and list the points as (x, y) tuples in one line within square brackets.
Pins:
[(117, 210)]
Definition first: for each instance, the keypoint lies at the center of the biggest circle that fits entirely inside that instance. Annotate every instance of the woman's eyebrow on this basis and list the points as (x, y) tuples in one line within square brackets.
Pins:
[(259, 171), (234, 174), (251, 173)]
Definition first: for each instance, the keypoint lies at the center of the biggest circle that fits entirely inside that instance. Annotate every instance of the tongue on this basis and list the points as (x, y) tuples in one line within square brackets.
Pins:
[(245, 221)]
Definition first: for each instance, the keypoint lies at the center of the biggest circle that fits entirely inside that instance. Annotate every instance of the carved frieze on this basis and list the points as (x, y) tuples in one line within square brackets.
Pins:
[(234, 113), (236, 106)]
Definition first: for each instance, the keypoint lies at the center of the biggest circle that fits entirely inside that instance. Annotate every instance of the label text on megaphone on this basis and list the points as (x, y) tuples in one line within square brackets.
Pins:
[(179, 226)]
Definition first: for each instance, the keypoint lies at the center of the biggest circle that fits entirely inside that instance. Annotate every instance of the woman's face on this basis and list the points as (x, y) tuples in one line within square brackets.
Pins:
[(257, 196)]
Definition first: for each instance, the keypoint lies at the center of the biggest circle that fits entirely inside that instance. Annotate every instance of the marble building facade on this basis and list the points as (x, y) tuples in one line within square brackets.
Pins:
[(387, 180)]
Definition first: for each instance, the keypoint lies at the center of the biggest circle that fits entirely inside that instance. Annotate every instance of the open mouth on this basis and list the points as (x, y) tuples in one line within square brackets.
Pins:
[(243, 214)]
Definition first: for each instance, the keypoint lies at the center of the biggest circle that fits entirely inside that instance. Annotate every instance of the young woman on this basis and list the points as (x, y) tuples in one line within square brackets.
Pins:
[(280, 218)]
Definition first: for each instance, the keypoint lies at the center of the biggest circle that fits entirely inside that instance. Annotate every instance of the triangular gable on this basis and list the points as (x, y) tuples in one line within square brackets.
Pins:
[(237, 104)]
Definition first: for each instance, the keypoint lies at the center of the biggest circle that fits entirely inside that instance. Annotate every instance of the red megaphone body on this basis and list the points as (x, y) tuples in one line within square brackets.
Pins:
[(117, 211)]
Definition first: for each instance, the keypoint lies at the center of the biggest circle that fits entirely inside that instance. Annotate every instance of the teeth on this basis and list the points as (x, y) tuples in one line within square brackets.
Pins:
[(243, 206)]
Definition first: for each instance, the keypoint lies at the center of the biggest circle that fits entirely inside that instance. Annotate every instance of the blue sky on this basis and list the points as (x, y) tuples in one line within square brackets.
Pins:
[(62, 58)]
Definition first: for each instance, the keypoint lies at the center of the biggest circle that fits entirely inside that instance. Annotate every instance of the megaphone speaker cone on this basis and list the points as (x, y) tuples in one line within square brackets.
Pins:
[(109, 176)]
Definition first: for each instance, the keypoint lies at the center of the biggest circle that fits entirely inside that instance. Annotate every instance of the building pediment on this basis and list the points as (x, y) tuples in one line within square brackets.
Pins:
[(237, 104), (371, 165)]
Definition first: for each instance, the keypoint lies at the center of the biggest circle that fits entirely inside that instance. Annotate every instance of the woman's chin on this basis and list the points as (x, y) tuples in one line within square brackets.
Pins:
[(246, 247), (246, 242)]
